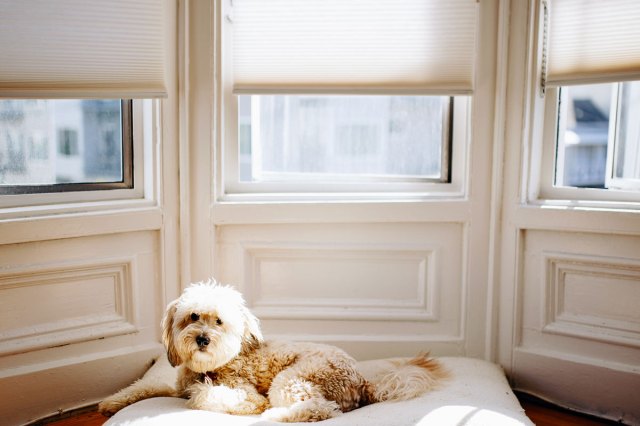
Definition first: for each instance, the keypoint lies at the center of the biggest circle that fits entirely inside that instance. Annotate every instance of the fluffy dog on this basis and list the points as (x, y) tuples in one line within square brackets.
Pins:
[(226, 366)]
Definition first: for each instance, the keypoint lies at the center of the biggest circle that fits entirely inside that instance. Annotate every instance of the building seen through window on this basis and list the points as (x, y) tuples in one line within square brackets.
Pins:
[(341, 138), (45, 142), (599, 136)]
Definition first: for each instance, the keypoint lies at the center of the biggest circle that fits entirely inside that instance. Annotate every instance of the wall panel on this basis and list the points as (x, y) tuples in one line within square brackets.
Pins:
[(375, 283), (580, 294), (68, 303), (94, 300)]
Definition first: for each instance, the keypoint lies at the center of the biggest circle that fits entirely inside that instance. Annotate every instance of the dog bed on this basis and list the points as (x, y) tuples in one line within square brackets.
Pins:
[(476, 394)]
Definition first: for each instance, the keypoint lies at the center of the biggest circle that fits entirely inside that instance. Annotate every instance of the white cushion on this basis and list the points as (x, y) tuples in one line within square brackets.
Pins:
[(476, 394)]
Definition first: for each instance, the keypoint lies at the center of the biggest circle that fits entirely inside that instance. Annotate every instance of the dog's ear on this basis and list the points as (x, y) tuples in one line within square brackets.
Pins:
[(167, 334), (252, 331)]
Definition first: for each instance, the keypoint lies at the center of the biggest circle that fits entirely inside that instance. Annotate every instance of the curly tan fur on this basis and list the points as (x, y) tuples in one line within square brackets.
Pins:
[(226, 366)]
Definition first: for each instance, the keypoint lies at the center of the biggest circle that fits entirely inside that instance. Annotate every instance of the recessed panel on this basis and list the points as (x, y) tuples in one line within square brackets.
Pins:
[(580, 295), (595, 296), (391, 282), (583, 295), (391, 287), (51, 304)]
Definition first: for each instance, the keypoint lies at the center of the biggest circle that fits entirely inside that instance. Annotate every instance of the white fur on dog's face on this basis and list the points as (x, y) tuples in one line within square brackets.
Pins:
[(207, 311)]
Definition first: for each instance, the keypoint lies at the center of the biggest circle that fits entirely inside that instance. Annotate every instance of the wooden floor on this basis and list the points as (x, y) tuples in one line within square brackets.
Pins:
[(544, 414), (540, 413)]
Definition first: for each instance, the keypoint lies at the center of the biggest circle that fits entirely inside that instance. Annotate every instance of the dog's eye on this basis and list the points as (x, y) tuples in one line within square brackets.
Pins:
[(219, 321), (195, 317)]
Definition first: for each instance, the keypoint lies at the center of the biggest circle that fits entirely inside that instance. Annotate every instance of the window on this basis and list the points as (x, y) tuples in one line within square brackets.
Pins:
[(66, 114), (597, 142), (344, 138), (316, 106), (90, 149), (590, 74)]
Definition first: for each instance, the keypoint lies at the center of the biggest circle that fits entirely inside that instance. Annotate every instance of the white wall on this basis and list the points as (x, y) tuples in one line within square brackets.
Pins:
[(570, 276), (379, 278), (83, 285)]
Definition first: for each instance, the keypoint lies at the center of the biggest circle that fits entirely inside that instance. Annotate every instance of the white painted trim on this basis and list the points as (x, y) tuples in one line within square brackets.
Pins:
[(495, 258), (516, 174), (199, 125), (579, 219), (348, 211), (79, 225)]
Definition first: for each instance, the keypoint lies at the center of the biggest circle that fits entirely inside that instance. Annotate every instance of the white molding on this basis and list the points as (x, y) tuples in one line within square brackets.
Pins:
[(500, 113), (342, 212), (515, 176), (578, 219), (72, 383), (80, 225), (73, 329), (592, 327), (588, 385), (423, 308), (428, 338)]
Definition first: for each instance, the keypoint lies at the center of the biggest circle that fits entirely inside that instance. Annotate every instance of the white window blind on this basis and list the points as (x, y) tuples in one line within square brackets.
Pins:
[(353, 46), (82, 48), (593, 41)]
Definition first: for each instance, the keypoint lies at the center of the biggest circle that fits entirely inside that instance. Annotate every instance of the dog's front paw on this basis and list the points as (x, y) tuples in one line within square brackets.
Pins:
[(214, 398), (110, 406), (310, 410), (223, 399)]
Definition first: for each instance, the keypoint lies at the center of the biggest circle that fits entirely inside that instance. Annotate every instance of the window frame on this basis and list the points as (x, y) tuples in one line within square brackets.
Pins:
[(229, 188), (539, 138), (142, 119), (547, 191), (405, 188), (612, 152)]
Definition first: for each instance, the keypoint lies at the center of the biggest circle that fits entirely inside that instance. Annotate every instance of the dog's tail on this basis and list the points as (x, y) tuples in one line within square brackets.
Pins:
[(404, 379)]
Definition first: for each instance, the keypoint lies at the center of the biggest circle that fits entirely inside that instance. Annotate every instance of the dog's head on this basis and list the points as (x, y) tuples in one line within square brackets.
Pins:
[(208, 326)]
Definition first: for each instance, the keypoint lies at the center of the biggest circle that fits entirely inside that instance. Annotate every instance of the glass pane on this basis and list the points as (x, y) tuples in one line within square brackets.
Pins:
[(341, 138), (46, 142), (583, 135), (627, 157)]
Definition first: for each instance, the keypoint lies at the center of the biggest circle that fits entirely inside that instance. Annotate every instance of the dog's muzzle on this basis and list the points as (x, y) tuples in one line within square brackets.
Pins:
[(202, 340)]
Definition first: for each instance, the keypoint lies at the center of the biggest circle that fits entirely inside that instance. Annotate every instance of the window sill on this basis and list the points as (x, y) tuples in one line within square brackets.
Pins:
[(240, 210), (19, 225), (566, 204), (572, 216)]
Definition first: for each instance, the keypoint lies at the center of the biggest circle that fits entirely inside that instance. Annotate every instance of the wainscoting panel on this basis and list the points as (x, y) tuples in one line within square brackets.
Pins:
[(376, 283), (98, 303), (365, 283), (72, 303), (593, 297), (579, 298)]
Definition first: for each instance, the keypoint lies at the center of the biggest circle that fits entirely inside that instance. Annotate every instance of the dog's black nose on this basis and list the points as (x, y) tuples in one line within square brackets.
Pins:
[(202, 340)]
